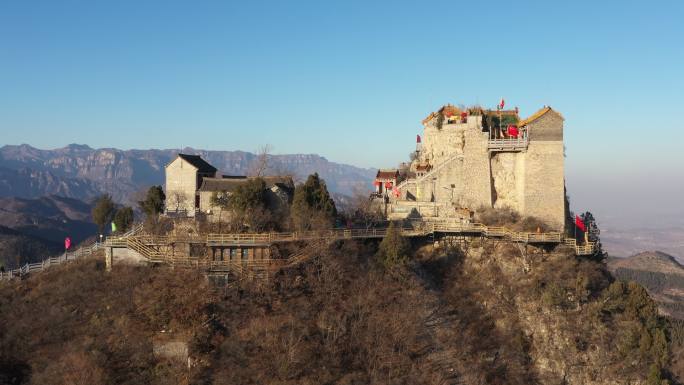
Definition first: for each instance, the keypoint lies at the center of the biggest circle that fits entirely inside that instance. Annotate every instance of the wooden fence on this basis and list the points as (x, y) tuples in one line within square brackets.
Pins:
[(82, 251), (51, 261)]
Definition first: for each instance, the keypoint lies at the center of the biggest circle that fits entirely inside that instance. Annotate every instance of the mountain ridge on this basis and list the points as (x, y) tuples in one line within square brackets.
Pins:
[(82, 172), (660, 273)]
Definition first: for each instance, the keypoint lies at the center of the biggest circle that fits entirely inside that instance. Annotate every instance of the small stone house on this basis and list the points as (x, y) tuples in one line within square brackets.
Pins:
[(184, 176)]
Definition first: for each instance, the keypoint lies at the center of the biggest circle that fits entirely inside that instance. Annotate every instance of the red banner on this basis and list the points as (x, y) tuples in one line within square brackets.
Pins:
[(67, 243)]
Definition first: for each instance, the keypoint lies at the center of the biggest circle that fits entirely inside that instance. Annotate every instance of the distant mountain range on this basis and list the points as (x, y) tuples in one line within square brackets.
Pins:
[(81, 172)]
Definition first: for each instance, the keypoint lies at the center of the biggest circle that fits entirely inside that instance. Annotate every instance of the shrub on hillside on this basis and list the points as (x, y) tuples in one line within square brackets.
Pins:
[(394, 249), (510, 218)]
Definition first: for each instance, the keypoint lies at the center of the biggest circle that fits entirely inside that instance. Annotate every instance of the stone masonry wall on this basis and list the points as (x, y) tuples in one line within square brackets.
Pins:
[(508, 173), (544, 191), (466, 176), (181, 184)]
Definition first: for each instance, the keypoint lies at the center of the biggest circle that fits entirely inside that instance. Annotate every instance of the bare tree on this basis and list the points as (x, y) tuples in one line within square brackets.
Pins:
[(261, 163), (363, 210), (177, 200)]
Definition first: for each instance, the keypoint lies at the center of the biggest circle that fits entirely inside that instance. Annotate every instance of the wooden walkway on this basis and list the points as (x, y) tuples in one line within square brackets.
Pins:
[(149, 246), (420, 229)]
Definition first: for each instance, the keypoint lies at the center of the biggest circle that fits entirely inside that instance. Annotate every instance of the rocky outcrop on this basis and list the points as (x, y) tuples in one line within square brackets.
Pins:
[(33, 183)]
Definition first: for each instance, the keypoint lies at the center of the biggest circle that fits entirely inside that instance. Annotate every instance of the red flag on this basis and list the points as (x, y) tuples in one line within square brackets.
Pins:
[(67, 243), (580, 225), (501, 105), (417, 138)]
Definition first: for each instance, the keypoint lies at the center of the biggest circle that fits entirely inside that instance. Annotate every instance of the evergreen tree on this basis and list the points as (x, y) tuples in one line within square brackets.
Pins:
[(154, 201), (103, 211), (248, 196), (394, 249), (123, 219), (312, 205)]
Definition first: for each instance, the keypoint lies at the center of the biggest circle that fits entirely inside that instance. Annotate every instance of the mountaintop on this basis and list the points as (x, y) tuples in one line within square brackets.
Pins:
[(482, 314)]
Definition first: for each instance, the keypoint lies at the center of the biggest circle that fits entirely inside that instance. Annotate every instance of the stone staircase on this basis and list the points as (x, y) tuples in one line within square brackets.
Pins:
[(431, 173), (152, 254)]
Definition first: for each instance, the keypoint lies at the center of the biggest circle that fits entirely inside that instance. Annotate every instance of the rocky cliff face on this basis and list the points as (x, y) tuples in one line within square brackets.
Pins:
[(83, 172), (33, 183)]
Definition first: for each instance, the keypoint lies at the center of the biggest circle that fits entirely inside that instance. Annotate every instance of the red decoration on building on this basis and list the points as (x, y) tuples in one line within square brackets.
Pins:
[(513, 131), (580, 224)]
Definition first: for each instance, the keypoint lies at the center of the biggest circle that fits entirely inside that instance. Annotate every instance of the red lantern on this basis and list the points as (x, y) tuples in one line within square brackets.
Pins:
[(388, 185), (376, 183)]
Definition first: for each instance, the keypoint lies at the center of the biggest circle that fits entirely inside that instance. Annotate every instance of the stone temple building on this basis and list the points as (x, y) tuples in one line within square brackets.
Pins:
[(191, 182), (473, 158), (184, 176)]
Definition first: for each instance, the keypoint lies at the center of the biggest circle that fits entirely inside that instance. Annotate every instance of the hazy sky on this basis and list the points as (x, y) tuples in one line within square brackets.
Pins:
[(349, 80)]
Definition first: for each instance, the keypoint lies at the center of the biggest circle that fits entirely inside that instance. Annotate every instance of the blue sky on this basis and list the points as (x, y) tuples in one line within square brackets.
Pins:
[(348, 80)]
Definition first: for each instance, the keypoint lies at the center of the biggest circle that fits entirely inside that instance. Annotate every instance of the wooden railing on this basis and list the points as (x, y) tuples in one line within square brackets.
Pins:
[(50, 261), (508, 144), (415, 229)]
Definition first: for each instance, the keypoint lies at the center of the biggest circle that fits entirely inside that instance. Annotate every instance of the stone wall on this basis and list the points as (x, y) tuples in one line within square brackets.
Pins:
[(544, 193), (123, 256), (508, 173), (460, 175), (441, 144), (549, 127), (544, 171), (181, 184)]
